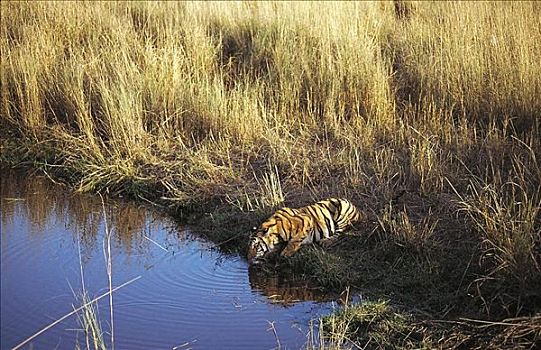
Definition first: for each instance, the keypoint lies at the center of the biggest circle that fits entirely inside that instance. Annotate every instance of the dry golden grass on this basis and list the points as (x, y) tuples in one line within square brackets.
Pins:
[(256, 103)]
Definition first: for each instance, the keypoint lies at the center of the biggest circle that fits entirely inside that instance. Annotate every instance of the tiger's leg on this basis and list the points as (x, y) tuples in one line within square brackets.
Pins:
[(329, 242), (302, 224), (291, 248)]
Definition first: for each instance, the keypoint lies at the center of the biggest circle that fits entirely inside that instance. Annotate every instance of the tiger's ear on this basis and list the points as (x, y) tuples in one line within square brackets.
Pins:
[(254, 229)]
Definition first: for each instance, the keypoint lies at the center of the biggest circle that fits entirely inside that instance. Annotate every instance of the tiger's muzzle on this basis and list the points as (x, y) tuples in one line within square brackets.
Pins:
[(256, 251)]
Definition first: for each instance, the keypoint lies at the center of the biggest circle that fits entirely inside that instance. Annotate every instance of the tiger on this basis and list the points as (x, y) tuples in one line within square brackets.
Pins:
[(290, 228)]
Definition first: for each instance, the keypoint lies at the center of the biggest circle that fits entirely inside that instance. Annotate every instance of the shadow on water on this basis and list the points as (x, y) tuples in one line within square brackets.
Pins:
[(189, 291)]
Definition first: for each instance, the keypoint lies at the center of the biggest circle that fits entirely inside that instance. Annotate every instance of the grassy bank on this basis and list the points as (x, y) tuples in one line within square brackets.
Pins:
[(425, 115)]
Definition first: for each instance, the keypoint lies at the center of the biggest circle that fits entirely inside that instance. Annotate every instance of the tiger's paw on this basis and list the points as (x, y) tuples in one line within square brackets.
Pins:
[(328, 243), (288, 252)]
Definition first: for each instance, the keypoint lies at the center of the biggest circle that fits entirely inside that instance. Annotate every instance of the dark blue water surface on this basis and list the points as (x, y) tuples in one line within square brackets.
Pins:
[(189, 294)]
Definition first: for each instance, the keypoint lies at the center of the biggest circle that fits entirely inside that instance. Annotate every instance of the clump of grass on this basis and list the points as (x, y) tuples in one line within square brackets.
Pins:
[(324, 268), (379, 325), (269, 193), (508, 221), (89, 321), (333, 336), (271, 189), (367, 325), (503, 208), (515, 333), (400, 228)]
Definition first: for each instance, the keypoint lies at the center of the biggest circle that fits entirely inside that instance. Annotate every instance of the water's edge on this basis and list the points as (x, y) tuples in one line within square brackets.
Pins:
[(189, 291)]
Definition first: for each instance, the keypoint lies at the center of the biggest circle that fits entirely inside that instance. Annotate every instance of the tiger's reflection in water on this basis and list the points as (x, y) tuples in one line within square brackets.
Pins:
[(281, 289)]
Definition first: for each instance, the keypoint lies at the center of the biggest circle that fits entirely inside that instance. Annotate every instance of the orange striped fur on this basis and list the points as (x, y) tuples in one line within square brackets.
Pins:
[(290, 228)]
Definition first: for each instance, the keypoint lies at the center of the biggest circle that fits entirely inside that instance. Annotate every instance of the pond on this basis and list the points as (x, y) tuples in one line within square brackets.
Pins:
[(187, 294)]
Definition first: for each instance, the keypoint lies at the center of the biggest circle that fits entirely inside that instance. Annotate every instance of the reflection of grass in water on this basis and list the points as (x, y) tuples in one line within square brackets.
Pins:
[(88, 316), (87, 313), (42, 201)]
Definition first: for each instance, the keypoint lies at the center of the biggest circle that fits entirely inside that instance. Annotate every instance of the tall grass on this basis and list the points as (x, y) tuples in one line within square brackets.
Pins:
[(256, 103), (88, 318)]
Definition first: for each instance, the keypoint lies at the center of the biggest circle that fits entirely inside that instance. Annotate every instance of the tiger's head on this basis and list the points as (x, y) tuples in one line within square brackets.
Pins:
[(265, 241)]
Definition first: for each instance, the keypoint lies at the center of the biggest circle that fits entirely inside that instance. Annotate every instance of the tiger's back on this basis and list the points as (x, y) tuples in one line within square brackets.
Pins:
[(294, 227), (331, 216)]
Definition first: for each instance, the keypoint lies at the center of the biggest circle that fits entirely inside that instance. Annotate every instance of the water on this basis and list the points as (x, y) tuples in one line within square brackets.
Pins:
[(189, 294)]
